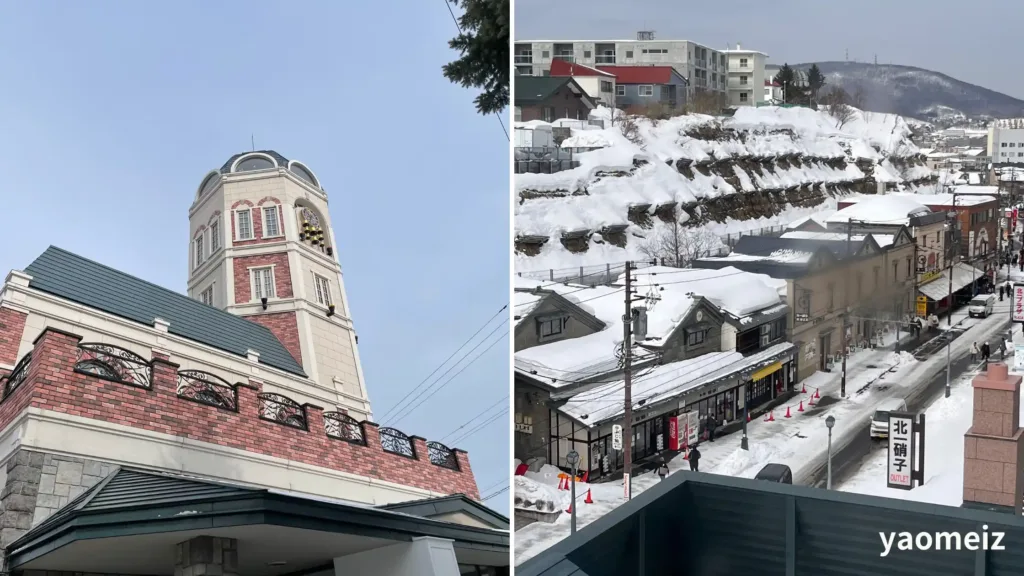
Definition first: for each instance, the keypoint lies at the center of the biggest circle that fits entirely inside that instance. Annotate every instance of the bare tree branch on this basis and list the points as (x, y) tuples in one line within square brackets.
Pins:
[(678, 246), (838, 107)]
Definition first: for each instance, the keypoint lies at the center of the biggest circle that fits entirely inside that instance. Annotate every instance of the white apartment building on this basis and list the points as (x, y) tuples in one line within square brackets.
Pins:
[(705, 68), (1006, 141), (746, 76)]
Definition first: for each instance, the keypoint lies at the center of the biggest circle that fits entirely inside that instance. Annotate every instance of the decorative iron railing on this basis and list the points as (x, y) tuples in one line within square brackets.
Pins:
[(441, 455), (344, 427), (113, 363), (396, 442), (206, 388), (281, 409), (17, 376)]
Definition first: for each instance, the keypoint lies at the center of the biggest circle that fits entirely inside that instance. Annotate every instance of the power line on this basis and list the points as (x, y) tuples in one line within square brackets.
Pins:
[(458, 26), (492, 495), (412, 405), (489, 320), (484, 411), (481, 426)]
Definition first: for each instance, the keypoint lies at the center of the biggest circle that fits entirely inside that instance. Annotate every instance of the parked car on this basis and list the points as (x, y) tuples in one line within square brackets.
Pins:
[(779, 473), (981, 306), (880, 419)]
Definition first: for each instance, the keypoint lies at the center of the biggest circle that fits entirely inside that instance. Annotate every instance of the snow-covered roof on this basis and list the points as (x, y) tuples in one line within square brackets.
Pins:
[(734, 291), (935, 201), (664, 382), (883, 240), (894, 209)]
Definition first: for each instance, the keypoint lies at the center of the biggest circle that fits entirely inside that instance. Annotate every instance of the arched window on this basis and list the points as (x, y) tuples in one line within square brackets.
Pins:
[(209, 183), (254, 162), (303, 173)]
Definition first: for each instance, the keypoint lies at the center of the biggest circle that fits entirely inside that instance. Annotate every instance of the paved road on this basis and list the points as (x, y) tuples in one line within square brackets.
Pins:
[(848, 461)]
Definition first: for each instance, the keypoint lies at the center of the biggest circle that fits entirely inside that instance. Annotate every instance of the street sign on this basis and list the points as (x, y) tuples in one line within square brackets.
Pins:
[(906, 451), (617, 437), (1017, 303)]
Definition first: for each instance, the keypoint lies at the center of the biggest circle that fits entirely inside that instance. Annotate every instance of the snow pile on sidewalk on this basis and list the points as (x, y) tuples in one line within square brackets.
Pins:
[(770, 165), (534, 496)]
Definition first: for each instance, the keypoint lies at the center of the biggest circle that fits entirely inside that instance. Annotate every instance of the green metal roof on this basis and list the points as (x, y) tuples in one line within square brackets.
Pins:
[(429, 507), (91, 284), (536, 89)]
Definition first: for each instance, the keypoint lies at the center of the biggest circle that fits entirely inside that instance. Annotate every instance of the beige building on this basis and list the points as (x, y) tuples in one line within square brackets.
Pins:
[(746, 76)]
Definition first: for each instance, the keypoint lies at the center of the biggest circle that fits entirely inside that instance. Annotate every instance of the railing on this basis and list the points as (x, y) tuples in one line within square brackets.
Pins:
[(206, 388), (16, 377), (441, 455), (396, 442), (341, 426), (544, 160), (114, 363), (524, 58), (281, 409), (604, 60)]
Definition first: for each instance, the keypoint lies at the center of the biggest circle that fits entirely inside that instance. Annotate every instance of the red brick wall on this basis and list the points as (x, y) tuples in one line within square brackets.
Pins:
[(12, 326), (257, 221), (53, 385), (243, 282), (285, 326)]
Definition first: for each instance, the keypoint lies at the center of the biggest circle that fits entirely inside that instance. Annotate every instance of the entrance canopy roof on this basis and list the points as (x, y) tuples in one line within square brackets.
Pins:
[(963, 274), (131, 521)]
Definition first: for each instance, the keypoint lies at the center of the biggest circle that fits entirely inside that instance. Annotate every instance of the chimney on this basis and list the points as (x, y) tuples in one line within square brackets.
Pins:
[(993, 450), (738, 46)]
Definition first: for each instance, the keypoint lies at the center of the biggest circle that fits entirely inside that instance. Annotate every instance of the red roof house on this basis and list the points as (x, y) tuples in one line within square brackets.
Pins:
[(644, 74), (561, 67)]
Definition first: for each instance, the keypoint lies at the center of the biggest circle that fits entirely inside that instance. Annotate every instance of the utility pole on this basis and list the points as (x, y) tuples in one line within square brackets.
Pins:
[(846, 305), (949, 316), (627, 362)]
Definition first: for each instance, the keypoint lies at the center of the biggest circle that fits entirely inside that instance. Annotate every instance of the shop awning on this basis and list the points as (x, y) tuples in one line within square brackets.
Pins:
[(963, 275)]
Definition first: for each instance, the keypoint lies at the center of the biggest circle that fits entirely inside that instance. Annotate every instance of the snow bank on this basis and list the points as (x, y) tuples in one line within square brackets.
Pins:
[(537, 496)]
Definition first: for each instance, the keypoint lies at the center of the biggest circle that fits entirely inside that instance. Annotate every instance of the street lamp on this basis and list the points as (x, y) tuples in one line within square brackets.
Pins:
[(573, 458), (829, 423)]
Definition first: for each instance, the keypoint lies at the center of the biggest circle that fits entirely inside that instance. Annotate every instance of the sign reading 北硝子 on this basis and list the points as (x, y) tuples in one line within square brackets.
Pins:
[(906, 450)]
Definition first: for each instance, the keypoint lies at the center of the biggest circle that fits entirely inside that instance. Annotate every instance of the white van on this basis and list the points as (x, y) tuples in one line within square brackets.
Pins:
[(880, 419), (981, 306)]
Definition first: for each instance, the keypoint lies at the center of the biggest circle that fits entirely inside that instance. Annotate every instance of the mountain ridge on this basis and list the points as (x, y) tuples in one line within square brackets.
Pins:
[(918, 92)]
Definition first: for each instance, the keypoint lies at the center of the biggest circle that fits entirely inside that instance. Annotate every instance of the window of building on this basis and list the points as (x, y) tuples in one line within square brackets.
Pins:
[(549, 327), (1002, 145), (1013, 144), (895, 272), (743, 80), (587, 54), (694, 337), (877, 273), (323, 290), (200, 253), (909, 268), (860, 279), (519, 114), (772, 331), (206, 296), (743, 96), (606, 86), (548, 114), (262, 280), (303, 174), (831, 297), (254, 163), (629, 53), (271, 222), (743, 62), (243, 224), (544, 54), (620, 90), (645, 90), (215, 235)]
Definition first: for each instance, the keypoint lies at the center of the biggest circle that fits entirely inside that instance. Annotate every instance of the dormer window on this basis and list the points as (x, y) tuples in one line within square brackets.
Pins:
[(550, 328), (694, 337), (254, 163)]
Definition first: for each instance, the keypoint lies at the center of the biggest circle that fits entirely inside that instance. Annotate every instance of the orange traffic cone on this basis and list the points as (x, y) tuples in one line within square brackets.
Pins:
[(787, 412), (801, 408), (771, 416), (816, 394), (686, 454), (811, 402), (588, 500), (569, 509)]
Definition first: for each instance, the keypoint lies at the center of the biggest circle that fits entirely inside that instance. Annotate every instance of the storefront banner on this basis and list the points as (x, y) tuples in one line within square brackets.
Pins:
[(1017, 305), (673, 433), (901, 451)]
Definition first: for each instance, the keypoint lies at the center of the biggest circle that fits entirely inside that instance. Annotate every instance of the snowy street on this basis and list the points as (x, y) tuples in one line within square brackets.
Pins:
[(801, 440)]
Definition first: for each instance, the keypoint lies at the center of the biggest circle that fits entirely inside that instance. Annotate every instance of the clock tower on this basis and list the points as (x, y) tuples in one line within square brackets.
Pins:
[(262, 247)]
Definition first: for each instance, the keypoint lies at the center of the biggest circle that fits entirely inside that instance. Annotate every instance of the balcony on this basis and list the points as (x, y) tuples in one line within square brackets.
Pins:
[(524, 58), (568, 57), (607, 59)]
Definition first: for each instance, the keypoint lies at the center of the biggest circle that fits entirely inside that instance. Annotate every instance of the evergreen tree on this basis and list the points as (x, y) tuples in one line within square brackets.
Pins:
[(815, 81), (483, 43), (787, 79)]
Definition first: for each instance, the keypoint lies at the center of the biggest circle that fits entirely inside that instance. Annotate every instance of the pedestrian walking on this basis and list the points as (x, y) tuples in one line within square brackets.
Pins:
[(663, 469), (985, 352), (1002, 349), (712, 424), (974, 351), (694, 459), (1002, 290)]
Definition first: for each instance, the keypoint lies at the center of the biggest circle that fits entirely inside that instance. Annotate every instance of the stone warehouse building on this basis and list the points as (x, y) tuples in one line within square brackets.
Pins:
[(228, 431)]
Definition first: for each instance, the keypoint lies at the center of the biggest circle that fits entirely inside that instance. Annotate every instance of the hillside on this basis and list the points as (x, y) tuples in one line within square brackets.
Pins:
[(918, 93), (762, 167)]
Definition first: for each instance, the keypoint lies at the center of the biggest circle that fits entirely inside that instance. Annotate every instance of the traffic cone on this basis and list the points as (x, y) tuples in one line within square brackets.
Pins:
[(787, 412), (801, 408), (771, 416), (686, 454), (803, 389), (588, 500), (816, 393), (811, 402), (562, 481), (569, 509)]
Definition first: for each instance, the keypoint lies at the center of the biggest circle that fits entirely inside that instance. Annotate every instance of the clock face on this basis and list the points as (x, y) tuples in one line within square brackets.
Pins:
[(700, 316), (308, 216)]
